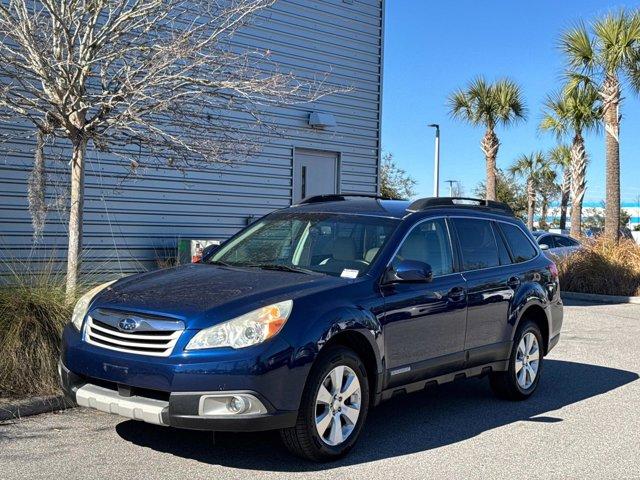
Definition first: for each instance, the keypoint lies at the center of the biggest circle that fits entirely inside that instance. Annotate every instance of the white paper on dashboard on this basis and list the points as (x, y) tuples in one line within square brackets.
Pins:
[(349, 273)]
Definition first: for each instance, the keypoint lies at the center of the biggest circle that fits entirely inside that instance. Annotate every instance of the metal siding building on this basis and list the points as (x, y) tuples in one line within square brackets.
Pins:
[(130, 223)]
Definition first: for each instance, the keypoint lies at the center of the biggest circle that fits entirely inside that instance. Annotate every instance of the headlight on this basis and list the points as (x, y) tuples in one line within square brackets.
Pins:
[(80, 310), (246, 330)]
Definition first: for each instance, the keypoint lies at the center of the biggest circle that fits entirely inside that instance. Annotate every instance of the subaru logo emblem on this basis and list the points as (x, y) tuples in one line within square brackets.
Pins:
[(128, 324)]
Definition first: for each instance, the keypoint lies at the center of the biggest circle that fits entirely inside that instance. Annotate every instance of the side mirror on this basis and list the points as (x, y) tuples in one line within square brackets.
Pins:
[(409, 271), (544, 246)]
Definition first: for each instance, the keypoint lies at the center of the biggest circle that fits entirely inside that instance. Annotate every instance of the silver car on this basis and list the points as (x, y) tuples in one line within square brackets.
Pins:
[(556, 244)]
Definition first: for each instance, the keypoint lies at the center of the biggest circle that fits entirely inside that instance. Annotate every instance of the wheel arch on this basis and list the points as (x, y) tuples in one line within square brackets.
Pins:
[(536, 313), (363, 347)]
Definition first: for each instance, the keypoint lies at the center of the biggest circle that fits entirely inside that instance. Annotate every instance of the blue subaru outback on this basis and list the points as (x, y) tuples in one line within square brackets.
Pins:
[(314, 314)]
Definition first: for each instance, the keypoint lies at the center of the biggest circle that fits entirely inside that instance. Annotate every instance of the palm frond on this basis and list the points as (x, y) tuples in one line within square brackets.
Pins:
[(634, 70), (573, 109), (554, 116), (633, 63), (484, 103), (560, 156), (509, 101), (527, 165), (579, 48), (461, 106), (617, 37)]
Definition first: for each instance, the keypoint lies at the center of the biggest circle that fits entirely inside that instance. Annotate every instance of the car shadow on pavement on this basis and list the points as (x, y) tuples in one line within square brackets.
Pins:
[(408, 424)]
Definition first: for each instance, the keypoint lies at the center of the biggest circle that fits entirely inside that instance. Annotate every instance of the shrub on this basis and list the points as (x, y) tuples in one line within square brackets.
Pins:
[(33, 312), (603, 267)]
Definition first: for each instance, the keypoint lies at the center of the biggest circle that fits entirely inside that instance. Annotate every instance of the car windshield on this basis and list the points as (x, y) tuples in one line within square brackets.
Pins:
[(334, 244)]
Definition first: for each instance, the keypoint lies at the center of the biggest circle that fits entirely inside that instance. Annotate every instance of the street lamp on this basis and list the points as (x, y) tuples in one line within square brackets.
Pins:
[(436, 165), (451, 182)]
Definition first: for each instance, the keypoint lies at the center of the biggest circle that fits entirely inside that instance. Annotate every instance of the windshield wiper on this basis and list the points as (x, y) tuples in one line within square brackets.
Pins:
[(220, 263), (280, 267)]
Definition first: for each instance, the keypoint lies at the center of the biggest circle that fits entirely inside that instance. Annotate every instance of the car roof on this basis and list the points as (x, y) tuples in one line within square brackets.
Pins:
[(361, 206), (541, 233), (372, 205)]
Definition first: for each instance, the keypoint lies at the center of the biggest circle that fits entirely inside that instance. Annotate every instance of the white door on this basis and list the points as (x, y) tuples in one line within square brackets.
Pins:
[(315, 172)]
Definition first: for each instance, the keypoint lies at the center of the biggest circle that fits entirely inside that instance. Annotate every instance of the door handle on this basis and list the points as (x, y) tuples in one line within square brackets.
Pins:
[(513, 282), (456, 294)]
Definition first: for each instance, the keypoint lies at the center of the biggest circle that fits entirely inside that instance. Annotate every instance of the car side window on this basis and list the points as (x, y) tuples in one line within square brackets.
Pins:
[(477, 243), (564, 241), (503, 252), (429, 243), (521, 247), (548, 241)]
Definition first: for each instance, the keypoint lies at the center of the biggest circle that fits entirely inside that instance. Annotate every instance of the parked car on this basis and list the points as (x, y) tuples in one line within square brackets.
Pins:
[(312, 315), (593, 232), (555, 244)]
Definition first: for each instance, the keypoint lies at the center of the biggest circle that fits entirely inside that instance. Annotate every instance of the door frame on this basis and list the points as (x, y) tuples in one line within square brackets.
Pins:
[(295, 170)]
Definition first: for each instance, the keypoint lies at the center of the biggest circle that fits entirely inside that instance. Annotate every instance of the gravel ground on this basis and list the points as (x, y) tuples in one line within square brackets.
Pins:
[(582, 423)]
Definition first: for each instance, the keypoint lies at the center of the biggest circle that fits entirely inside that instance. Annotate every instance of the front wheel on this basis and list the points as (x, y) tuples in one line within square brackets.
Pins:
[(525, 365), (333, 409)]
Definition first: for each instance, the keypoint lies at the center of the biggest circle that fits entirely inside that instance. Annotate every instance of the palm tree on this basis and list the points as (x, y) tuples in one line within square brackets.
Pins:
[(529, 167), (571, 113), (560, 157), (603, 60), (548, 189), (489, 105)]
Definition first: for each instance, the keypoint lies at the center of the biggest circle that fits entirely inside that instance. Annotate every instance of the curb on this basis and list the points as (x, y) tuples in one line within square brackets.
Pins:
[(34, 406), (592, 297)]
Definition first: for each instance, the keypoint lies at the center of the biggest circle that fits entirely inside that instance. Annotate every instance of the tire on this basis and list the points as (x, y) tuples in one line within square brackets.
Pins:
[(304, 439), (510, 385)]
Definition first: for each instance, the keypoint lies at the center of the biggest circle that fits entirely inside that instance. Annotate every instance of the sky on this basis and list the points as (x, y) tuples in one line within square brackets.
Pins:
[(434, 47)]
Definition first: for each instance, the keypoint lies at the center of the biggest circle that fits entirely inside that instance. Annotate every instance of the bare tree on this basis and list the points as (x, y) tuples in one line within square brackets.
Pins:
[(157, 76), (395, 182)]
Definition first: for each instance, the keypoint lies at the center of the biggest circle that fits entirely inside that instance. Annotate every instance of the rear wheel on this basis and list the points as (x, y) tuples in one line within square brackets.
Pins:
[(333, 409), (525, 365)]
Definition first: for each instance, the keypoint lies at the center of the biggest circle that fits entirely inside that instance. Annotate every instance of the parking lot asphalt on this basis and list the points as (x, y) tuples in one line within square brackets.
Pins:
[(583, 422)]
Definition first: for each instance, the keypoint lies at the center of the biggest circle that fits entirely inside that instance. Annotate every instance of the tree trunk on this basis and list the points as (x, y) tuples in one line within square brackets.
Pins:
[(578, 183), (531, 203), (490, 145), (611, 115), (75, 214), (544, 210), (564, 199), (37, 189)]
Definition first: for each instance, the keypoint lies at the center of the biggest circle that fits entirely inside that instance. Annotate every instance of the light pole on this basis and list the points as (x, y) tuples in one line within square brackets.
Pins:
[(451, 182), (436, 165)]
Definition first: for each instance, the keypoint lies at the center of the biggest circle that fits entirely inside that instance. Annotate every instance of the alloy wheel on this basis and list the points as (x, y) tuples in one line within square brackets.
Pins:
[(527, 360), (338, 405)]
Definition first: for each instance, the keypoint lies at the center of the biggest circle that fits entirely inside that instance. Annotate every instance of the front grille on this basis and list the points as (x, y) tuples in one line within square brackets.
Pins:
[(152, 336)]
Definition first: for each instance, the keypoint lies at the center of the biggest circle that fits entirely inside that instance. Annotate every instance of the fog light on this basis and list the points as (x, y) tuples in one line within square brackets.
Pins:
[(230, 404), (238, 404)]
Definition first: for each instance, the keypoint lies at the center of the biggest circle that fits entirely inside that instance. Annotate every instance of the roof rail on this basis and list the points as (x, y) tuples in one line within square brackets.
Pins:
[(336, 197), (462, 202)]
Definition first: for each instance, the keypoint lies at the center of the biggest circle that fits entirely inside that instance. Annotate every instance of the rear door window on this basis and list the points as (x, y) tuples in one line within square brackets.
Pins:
[(503, 252), (521, 247), (477, 243), (547, 240), (564, 241)]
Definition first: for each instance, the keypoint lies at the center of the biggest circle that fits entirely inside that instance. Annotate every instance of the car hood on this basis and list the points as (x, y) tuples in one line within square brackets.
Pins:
[(202, 295)]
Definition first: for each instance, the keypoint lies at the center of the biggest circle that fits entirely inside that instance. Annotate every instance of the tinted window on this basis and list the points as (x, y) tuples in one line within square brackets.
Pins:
[(564, 241), (521, 247), (547, 240), (503, 253), (429, 243), (477, 242)]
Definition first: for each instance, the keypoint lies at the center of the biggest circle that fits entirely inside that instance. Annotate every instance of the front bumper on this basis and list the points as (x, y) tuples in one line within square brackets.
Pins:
[(180, 409)]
